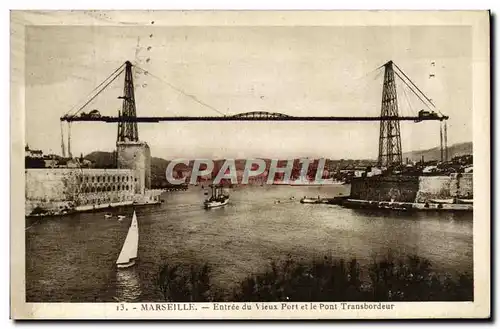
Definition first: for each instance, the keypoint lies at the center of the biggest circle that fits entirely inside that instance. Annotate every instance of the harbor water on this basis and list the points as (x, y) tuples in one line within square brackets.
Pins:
[(72, 258)]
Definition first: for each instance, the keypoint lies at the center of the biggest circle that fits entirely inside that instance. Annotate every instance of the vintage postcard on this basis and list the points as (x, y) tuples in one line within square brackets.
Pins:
[(250, 164)]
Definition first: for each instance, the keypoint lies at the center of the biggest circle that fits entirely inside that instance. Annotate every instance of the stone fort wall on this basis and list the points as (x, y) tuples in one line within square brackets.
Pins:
[(80, 186), (385, 188), (412, 188), (443, 187)]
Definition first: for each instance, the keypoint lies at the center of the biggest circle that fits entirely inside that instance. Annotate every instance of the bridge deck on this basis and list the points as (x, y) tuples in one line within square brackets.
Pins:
[(239, 118)]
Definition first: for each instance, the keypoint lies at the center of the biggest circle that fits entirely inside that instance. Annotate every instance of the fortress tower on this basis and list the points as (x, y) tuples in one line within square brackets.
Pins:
[(132, 153), (136, 156)]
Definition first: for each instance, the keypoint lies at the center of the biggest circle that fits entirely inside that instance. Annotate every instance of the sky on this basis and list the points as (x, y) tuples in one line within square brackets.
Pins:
[(295, 70)]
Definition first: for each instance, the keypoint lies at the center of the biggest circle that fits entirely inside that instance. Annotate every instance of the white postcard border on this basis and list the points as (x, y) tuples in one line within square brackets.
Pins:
[(478, 20)]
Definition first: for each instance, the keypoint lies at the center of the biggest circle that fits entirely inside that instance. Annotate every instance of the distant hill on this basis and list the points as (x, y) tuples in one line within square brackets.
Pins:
[(158, 172), (435, 153), (159, 165), (102, 159)]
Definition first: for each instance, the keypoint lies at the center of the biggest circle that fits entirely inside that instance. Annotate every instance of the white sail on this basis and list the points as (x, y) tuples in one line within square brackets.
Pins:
[(129, 249)]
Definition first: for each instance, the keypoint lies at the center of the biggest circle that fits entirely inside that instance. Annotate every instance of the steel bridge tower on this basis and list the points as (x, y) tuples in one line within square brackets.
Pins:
[(389, 150), (127, 130), (130, 152)]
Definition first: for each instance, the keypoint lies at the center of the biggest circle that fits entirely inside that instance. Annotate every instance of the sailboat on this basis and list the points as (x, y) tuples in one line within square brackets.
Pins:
[(129, 250)]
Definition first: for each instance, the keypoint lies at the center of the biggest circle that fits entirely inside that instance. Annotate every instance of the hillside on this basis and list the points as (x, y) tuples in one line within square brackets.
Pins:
[(158, 172), (159, 165), (435, 153), (102, 159)]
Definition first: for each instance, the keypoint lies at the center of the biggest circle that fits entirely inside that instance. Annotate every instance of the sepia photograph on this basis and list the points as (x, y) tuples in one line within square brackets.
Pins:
[(250, 164)]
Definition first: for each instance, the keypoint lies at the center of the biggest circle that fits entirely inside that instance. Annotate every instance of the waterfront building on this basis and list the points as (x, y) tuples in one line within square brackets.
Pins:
[(75, 188)]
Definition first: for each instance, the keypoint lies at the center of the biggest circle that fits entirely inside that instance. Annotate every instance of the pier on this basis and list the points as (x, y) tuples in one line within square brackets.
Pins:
[(405, 206)]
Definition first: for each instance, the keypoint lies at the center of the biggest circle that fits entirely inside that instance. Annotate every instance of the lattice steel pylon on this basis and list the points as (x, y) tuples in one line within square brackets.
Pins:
[(127, 130), (389, 150)]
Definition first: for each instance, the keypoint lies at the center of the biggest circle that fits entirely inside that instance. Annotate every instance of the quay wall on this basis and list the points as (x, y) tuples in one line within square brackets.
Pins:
[(442, 187), (412, 188)]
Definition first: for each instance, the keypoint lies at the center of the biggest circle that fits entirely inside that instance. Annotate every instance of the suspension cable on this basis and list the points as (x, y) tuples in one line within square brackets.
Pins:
[(421, 92), (100, 91), (194, 98), (407, 101), (96, 88), (370, 72), (396, 73), (377, 75), (414, 85)]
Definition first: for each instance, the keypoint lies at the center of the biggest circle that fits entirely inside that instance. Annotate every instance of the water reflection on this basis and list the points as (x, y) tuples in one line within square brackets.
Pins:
[(128, 286)]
